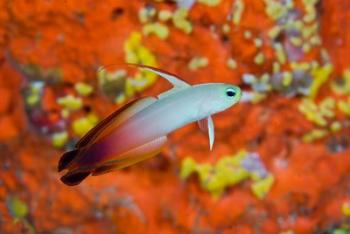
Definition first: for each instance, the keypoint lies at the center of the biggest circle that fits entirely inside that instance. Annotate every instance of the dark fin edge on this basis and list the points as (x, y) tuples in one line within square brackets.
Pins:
[(103, 169), (66, 159), (74, 177)]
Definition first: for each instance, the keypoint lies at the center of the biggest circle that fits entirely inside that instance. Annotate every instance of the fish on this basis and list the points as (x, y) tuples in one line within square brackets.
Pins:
[(139, 130)]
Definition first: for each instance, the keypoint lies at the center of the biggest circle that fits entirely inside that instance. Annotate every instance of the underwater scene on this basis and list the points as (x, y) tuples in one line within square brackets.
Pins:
[(164, 116)]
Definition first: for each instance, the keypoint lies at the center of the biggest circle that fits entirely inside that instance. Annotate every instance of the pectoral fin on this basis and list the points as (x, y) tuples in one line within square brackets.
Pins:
[(207, 125), (132, 157)]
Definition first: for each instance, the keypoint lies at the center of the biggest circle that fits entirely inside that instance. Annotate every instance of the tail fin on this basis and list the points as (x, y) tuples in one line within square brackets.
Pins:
[(74, 177), (66, 159)]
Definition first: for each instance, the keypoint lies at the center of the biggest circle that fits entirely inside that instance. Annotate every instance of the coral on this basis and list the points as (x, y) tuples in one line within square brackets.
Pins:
[(158, 29), (70, 102), (229, 171), (83, 89), (198, 62), (180, 21), (82, 125), (342, 86)]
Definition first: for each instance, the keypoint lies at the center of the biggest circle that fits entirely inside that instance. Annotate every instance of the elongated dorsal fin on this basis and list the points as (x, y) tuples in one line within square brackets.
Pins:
[(173, 79), (207, 125), (177, 83)]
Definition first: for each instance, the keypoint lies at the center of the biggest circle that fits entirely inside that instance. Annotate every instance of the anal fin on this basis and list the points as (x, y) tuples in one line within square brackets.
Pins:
[(133, 156), (74, 177)]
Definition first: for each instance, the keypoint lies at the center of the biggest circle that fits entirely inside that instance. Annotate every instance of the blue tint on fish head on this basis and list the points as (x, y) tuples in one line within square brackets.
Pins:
[(218, 97)]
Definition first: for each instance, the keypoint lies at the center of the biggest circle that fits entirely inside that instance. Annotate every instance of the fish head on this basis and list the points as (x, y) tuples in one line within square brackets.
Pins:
[(222, 96)]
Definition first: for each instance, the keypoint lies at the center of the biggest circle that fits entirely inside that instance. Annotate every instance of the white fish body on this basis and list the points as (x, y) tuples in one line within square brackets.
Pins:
[(150, 120)]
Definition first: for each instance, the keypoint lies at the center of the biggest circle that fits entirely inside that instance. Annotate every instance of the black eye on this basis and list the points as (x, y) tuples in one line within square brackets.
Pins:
[(230, 93)]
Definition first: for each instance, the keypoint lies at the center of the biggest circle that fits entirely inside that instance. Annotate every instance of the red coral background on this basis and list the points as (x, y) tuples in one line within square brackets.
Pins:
[(77, 36)]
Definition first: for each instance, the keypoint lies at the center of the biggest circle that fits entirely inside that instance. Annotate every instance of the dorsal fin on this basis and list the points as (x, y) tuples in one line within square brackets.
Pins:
[(173, 79), (114, 119), (177, 83)]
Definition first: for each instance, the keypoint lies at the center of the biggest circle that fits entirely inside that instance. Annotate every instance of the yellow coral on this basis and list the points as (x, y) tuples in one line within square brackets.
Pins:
[(226, 28), (258, 97), (231, 63), (237, 11), (261, 187), (346, 209), (70, 102), (303, 66), (342, 87), (280, 54), (259, 58), (82, 125), (258, 42), (344, 107), (138, 54), (275, 31), (180, 20), (34, 96), (320, 76), (287, 78), (33, 99), (318, 114), (198, 62), (146, 14), (165, 15), (158, 29), (59, 139), (187, 168), (83, 89), (228, 171), (311, 112), (314, 134), (275, 9), (210, 2), (335, 126), (17, 208), (297, 41)]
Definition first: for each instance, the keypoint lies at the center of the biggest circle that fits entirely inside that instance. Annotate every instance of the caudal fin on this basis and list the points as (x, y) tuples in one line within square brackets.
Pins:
[(66, 159), (74, 177)]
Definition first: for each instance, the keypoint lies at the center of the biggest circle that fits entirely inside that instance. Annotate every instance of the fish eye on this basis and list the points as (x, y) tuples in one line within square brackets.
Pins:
[(230, 92)]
